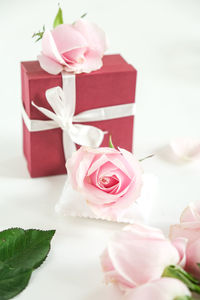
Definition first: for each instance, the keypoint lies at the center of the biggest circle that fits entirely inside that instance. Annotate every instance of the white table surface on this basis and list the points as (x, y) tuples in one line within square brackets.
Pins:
[(161, 38)]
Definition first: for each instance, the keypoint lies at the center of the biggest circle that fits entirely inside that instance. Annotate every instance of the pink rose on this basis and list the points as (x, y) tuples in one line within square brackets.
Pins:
[(162, 289), (189, 228), (110, 180), (74, 48), (139, 254)]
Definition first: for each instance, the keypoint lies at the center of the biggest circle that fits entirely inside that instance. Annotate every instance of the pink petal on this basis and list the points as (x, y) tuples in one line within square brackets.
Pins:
[(73, 164), (121, 163), (181, 244), (97, 163), (75, 55), (193, 257), (186, 148), (92, 61), (190, 231), (141, 230), (131, 195), (49, 65), (95, 36), (66, 38), (112, 180), (139, 259), (132, 161), (111, 275), (49, 48), (161, 289), (82, 169), (97, 197), (191, 213)]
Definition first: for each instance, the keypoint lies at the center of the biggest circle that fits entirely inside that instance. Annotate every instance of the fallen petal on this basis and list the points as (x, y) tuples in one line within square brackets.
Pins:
[(186, 148)]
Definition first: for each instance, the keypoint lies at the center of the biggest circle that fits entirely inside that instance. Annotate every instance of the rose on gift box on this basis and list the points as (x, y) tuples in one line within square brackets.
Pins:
[(97, 99), (76, 47)]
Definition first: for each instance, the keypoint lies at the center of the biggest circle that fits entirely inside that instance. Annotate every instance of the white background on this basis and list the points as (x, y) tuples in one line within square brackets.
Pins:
[(161, 38)]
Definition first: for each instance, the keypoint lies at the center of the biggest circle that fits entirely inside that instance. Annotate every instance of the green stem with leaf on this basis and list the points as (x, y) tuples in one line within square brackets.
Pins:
[(178, 273)]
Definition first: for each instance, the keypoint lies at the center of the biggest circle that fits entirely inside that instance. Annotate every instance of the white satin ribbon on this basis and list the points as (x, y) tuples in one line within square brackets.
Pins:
[(63, 103)]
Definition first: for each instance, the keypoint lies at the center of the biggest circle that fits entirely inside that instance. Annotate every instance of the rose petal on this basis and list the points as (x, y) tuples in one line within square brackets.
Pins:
[(97, 163), (130, 158), (161, 289), (67, 38), (74, 56), (144, 230), (138, 258), (121, 163), (94, 35), (91, 62), (181, 244), (193, 258), (49, 48), (186, 148), (190, 231), (74, 162), (111, 275), (49, 65), (97, 197), (191, 213)]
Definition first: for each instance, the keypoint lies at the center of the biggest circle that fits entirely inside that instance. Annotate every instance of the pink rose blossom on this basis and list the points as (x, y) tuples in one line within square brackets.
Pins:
[(189, 228), (139, 254), (162, 289), (74, 48), (110, 180)]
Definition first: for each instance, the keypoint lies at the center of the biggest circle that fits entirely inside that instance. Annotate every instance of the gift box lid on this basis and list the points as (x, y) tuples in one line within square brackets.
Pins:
[(111, 63)]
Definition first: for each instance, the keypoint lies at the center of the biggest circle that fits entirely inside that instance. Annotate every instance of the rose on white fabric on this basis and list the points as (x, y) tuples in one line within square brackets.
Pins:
[(109, 179)]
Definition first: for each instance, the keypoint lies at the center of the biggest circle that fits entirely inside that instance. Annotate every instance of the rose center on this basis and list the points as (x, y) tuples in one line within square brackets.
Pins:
[(107, 181), (80, 60)]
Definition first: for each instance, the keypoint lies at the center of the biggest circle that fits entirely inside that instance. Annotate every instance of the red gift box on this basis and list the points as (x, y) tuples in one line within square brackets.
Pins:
[(114, 84)]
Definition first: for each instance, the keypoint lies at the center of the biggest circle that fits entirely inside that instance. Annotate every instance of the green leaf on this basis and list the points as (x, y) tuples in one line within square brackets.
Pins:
[(12, 281), (24, 248), (110, 142), (39, 34), (58, 19), (177, 272), (21, 251)]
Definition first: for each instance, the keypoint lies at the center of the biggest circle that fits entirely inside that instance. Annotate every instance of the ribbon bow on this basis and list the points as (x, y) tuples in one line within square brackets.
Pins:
[(63, 116)]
